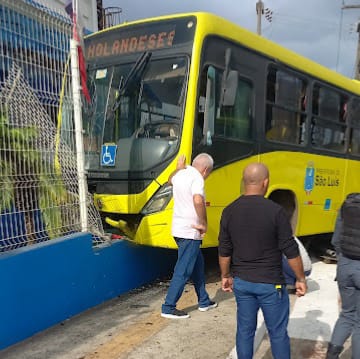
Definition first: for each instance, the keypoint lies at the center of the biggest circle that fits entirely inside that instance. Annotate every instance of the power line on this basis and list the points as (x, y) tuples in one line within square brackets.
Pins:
[(259, 12), (339, 38), (268, 14), (291, 18)]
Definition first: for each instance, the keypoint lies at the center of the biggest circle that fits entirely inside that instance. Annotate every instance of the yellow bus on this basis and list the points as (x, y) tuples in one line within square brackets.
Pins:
[(192, 83)]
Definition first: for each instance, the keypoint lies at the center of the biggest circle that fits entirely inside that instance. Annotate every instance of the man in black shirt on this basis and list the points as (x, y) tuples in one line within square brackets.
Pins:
[(254, 233)]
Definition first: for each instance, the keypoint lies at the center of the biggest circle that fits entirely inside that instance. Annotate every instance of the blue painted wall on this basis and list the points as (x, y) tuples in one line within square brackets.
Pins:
[(46, 283)]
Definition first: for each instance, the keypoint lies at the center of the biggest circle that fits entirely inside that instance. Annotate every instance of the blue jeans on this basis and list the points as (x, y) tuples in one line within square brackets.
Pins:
[(348, 323), (289, 275), (190, 264), (250, 297)]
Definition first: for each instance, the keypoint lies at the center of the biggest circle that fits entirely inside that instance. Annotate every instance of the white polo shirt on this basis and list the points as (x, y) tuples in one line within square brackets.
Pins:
[(186, 183)]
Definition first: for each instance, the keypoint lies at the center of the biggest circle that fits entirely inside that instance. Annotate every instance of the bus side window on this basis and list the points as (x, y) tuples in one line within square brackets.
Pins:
[(223, 122), (328, 119), (199, 136), (234, 118), (285, 111), (355, 141), (353, 120), (199, 123), (329, 104)]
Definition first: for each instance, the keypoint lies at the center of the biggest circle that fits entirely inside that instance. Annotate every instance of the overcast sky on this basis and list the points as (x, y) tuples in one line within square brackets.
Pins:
[(312, 28)]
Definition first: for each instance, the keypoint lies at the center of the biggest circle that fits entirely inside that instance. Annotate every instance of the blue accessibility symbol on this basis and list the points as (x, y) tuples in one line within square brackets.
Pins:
[(108, 155)]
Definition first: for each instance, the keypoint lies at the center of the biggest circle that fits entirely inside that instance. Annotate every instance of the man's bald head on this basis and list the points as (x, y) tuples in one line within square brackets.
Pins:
[(204, 163), (256, 178)]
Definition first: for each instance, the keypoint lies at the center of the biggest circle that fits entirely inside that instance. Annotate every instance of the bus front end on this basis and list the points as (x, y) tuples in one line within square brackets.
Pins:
[(137, 80)]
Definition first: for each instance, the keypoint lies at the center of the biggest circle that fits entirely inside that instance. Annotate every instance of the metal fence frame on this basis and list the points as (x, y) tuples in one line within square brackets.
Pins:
[(39, 195)]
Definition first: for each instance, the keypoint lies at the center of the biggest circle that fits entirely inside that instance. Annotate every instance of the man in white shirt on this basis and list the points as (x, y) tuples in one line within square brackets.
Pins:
[(189, 225)]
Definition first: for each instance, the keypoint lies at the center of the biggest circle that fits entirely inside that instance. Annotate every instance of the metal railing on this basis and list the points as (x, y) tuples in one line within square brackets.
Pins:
[(38, 179), (110, 16)]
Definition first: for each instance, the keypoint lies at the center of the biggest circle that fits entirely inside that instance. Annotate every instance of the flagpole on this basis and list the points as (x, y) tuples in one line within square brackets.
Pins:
[(76, 89)]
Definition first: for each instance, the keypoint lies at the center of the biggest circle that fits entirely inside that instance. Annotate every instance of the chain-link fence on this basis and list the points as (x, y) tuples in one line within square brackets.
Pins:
[(38, 175)]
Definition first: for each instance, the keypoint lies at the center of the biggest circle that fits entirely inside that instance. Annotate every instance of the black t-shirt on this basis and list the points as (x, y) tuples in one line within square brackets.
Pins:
[(254, 232)]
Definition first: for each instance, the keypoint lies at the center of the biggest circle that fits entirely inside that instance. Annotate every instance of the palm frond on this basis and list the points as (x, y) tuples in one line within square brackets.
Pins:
[(6, 186), (23, 134), (22, 161), (51, 216)]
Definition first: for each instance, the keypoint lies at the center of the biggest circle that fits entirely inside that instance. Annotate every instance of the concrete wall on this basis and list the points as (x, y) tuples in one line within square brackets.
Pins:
[(46, 283)]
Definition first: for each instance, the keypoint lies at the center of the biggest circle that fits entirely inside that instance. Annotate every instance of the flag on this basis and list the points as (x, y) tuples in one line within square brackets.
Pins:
[(78, 37), (69, 8), (83, 76)]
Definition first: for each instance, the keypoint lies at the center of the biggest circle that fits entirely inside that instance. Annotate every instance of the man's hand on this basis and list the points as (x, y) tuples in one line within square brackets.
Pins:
[(297, 266), (201, 228), (227, 284), (301, 288), (181, 162), (180, 165), (226, 278)]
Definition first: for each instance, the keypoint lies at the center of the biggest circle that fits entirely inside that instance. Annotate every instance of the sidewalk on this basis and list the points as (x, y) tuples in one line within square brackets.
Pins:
[(130, 327)]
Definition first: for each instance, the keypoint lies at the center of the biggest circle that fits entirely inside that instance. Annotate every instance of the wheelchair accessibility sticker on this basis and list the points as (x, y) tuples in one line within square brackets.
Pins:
[(108, 155)]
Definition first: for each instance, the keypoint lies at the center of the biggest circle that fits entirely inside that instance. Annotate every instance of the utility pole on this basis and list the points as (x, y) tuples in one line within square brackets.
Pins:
[(357, 61), (259, 12)]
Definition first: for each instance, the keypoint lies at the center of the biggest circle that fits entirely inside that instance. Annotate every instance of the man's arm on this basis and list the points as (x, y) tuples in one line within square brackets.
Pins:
[(180, 165), (225, 254), (226, 278), (200, 209), (296, 265)]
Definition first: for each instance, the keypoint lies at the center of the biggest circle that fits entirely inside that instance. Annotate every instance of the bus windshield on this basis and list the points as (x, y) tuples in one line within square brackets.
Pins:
[(136, 108)]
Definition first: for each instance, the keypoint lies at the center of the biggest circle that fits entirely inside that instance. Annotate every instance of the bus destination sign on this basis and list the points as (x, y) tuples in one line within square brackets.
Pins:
[(147, 37)]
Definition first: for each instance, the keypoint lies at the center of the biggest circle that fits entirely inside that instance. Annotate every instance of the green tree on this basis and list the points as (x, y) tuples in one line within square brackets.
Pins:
[(28, 180)]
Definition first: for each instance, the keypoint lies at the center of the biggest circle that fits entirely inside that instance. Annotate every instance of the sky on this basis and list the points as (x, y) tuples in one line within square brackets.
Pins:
[(317, 29)]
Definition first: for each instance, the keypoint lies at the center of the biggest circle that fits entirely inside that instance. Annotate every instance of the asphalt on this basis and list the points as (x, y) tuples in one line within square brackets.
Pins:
[(130, 326)]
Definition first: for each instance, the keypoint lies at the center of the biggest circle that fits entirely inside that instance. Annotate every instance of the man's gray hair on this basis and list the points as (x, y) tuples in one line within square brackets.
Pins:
[(203, 160)]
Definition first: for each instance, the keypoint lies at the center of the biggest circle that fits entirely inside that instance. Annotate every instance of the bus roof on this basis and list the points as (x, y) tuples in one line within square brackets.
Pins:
[(210, 24)]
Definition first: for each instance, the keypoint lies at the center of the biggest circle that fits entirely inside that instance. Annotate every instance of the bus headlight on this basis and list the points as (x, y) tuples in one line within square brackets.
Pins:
[(159, 201)]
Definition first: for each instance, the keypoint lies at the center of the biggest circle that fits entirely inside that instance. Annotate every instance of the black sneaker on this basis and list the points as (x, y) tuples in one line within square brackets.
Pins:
[(211, 305), (176, 314)]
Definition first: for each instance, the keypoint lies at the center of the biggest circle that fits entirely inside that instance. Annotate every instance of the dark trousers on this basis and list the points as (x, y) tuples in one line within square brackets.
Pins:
[(288, 273), (348, 323), (190, 264)]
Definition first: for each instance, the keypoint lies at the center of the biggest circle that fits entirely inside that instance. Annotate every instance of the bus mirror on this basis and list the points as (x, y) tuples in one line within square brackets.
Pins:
[(231, 86), (209, 113), (224, 77)]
